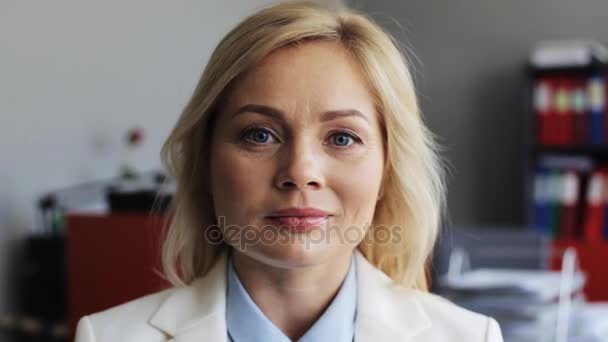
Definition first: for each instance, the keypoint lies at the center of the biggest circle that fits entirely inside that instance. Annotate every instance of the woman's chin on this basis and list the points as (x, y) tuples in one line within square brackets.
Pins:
[(295, 254)]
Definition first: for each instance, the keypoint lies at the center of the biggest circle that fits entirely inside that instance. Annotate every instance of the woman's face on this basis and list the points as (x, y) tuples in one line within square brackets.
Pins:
[(299, 130)]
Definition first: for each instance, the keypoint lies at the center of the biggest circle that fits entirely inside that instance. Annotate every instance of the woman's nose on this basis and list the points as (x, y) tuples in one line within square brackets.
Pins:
[(299, 168)]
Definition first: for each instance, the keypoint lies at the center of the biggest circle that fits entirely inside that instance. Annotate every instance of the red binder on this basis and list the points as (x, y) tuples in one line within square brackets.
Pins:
[(580, 121), (571, 186), (552, 116), (569, 85), (595, 211), (606, 111), (562, 115)]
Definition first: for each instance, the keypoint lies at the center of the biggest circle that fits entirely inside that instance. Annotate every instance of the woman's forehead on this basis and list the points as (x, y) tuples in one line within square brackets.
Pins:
[(316, 76)]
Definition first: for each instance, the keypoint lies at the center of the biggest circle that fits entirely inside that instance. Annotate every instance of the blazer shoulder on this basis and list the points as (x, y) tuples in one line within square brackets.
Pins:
[(457, 323), (124, 322)]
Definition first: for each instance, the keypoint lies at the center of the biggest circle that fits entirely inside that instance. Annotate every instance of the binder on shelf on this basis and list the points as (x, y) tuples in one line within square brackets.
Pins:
[(553, 118), (542, 107), (570, 199), (594, 210), (580, 121), (597, 109), (555, 194), (549, 196), (541, 203), (605, 204), (563, 117), (571, 108), (570, 196)]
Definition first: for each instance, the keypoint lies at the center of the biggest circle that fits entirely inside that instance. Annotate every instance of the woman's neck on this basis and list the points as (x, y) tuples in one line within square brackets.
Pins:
[(291, 298)]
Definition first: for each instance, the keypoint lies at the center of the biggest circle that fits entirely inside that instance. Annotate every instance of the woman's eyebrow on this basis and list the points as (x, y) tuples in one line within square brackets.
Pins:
[(334, 114), (260, 109), (278, 114)]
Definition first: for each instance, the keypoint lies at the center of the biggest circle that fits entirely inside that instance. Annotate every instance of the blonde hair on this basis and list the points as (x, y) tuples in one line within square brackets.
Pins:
[(413, 182)]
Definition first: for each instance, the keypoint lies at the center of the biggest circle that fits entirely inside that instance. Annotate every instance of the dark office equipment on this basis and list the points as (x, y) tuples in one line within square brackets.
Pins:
[(42, 291)]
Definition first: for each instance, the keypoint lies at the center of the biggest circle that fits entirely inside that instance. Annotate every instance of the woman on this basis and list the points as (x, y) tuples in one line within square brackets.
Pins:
[(309, 196)]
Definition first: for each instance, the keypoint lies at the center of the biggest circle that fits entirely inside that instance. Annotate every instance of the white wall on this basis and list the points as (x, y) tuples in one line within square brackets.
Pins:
[(74, 75)]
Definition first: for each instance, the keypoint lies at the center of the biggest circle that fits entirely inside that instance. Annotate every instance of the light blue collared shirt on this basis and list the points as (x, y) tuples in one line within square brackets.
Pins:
[(246, 322)]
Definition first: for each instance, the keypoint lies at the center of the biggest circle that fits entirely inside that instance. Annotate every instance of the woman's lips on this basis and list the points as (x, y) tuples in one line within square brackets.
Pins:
[(298, 223)]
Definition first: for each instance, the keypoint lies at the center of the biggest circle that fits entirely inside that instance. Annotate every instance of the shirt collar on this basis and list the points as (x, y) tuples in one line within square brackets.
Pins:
[(246, 322)]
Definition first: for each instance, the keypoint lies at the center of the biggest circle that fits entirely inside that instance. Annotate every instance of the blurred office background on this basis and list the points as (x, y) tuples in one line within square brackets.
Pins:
[(79, 79)]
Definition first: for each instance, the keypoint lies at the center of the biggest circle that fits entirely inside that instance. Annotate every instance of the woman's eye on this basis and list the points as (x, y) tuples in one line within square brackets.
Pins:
[(257, 135), (343, 139)]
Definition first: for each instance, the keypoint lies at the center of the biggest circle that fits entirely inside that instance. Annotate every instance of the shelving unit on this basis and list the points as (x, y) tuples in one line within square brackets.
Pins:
[(592, 254), (596, 152)]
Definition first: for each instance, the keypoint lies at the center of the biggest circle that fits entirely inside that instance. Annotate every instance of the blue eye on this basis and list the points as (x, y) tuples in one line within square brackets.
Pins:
[(260, 136), (257, 135), (343, 138)]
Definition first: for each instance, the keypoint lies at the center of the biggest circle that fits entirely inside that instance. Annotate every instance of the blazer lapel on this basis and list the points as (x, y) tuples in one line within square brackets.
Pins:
[(196, 312), (385, 311)]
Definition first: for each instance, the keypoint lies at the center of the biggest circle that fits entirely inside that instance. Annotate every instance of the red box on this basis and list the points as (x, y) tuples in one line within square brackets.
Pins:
[(111, 259)]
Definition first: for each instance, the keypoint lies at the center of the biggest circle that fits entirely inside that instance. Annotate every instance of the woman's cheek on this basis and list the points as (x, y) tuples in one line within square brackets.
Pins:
[(237, 180), (357, 185)]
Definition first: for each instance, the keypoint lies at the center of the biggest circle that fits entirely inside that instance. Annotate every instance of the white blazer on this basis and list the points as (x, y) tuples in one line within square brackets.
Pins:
[(198, 313)]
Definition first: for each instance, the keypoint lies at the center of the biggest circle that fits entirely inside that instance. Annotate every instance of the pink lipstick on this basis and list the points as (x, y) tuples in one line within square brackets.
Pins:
[(298, 219)]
